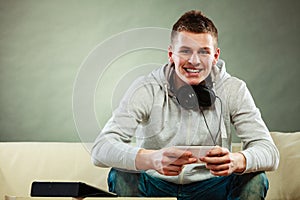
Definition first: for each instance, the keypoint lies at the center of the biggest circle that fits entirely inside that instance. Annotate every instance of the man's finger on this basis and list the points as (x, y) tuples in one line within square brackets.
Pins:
[(177, 153), (216, 160), (218, 151), (171, 170), (184, 161), (217, 167)]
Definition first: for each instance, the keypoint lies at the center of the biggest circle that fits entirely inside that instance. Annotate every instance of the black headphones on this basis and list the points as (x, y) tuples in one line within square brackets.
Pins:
[(196, 96)]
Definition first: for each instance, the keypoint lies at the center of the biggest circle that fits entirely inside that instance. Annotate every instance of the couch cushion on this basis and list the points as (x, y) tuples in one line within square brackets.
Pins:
[(285, 181)]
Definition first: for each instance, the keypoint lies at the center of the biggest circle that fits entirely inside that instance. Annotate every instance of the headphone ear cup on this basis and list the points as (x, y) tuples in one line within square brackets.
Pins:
[(206, 97), (194, 97), (187, 97)]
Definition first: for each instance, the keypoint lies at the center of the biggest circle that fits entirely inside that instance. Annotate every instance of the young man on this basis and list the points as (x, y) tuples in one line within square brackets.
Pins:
[(191, 101)]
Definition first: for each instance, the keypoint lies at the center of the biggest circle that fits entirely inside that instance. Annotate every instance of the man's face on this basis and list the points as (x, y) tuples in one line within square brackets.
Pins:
[(193, 55)]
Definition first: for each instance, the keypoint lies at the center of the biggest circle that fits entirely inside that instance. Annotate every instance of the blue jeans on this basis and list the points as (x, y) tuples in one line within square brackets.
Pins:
[(247, 186)]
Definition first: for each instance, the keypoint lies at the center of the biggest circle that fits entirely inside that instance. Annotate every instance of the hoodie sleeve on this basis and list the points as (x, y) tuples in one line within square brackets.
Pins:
[(112, 147), (258, 147)]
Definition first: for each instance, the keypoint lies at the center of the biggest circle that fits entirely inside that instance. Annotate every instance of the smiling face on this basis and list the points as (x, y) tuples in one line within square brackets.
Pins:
[(193, 55)]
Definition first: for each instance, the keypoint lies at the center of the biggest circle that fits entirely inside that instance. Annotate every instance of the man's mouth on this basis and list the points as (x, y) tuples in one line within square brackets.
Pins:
[(189, 70)]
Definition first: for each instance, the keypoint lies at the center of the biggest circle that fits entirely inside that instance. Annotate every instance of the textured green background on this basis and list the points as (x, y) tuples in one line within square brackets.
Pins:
[(43, 43)]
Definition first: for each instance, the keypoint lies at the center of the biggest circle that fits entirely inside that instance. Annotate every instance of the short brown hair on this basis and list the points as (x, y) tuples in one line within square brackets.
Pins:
[(195, 22)]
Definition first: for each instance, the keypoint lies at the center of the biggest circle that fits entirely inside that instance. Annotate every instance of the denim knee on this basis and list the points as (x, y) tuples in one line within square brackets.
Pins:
[(123, 183), (250, 186), (257, 187)]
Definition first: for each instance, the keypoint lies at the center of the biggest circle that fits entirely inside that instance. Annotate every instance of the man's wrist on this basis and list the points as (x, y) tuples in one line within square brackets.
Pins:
[(143, 159), (241, 163)]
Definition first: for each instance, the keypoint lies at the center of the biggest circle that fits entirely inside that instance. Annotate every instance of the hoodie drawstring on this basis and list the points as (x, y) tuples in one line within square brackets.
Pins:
[(167, 101)]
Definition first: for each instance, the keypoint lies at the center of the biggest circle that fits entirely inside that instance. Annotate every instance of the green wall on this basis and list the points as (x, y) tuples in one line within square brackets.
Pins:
[(43, 44)]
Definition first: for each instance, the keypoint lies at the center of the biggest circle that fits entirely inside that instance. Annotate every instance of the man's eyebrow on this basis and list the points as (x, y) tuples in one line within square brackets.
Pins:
[(205, 48), (185, 47), (200, 48)]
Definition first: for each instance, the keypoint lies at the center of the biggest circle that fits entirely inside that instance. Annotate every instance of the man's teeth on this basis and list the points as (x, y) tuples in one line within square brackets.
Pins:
[(193, 70)]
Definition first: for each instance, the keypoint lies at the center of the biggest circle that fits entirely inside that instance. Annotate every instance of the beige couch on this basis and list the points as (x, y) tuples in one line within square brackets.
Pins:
[(24, 162)]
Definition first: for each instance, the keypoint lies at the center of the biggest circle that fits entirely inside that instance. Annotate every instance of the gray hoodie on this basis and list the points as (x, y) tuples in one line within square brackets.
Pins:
[(150, 115)]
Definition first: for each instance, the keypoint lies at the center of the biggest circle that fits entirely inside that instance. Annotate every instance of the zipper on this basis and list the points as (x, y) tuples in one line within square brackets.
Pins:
[(181, 175), (188, 128)]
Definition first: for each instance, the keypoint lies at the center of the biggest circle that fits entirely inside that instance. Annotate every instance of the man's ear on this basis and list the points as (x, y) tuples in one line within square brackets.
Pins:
[(216, 56), (170, 54)]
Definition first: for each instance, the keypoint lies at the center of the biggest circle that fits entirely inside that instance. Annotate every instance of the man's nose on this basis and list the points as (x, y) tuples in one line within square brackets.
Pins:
[(194, 59)]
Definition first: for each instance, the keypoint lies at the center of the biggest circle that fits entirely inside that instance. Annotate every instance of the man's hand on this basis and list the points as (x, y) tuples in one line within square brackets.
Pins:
[(221, 162), (167, 161)]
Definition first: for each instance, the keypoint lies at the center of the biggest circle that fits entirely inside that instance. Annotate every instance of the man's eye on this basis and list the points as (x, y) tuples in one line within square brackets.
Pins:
[(203, 52), (184, 51)]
